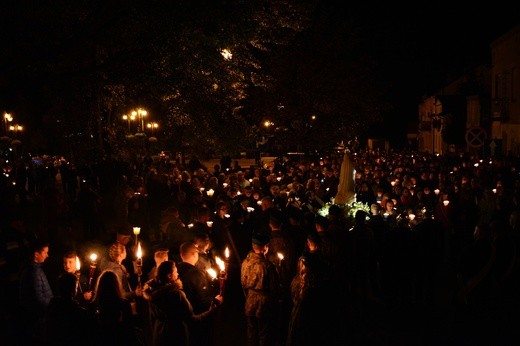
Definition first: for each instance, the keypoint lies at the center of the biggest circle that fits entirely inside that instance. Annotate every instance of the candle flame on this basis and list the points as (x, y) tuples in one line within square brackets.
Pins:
[(280, 255), (210, 192), (139, 252), (93, 257), (209, 223), (411, 217), (220, 263), (78, 264), (212, 273), (446, 202), (137, 230), (226, 252)]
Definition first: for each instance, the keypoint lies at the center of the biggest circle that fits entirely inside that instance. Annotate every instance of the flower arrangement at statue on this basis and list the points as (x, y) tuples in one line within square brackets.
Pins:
[(349, 210)]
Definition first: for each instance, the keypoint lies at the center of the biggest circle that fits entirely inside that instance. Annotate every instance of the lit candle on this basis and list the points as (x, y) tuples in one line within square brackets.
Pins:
[(437, 191), (220, 264), (139, 263), (446, 202), (137, 230), (411, 217), (222, 274), (190, 225), (225, 184), (280, 258), (93, 263), (78, 267), (210, 192), (212, 273), (250, 209), (209, 223), (226, 255), (139, 252)]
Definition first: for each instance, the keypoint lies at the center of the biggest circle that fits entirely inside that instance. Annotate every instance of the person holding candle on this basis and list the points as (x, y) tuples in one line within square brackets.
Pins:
[(116, 255), (199, 292), (281, 244), (112, 315), (171, 311), (67, 322), (70, 265), (310, 321), (261, 286)]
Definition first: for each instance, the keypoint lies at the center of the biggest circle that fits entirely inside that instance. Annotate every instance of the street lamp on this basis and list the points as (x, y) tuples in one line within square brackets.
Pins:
[(140, 114), (7, 119), (129, 118), (16, 128), (152, 126)]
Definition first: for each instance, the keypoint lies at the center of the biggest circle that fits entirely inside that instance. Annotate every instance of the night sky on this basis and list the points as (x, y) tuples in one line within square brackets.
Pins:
[(417, 49)]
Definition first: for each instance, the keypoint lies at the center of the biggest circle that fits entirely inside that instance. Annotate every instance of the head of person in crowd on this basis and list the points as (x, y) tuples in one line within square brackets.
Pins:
[(321, 223), (202, 242), (69, 261), (160, 255), (267, 203), (260, 243), (189, 252), (375, 209), (167, 273), (109, 289), (117, 252), (124, 235), (40, 250), (313, 241), (221, 209)]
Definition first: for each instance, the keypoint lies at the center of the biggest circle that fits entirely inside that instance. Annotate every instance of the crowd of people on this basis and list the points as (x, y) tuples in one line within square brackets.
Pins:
[(177, 242)]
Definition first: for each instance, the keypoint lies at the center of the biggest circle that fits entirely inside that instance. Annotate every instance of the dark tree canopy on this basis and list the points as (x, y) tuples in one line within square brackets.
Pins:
[(73, 69)]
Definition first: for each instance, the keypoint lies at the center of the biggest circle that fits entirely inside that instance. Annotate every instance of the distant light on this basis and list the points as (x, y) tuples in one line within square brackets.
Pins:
[(226, 53)]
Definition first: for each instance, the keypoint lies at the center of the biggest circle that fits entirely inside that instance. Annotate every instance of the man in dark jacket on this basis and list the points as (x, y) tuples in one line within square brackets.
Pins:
[(199, 292)]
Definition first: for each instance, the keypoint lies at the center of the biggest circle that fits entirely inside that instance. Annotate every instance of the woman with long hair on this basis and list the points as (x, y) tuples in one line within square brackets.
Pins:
[(112, 313), (170, 310)]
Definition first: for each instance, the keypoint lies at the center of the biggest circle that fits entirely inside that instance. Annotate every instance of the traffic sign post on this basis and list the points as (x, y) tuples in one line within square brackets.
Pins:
[(476, 137)]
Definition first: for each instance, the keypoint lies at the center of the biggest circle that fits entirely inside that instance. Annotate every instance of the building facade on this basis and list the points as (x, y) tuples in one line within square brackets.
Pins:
[(480, 111), (505, 89)]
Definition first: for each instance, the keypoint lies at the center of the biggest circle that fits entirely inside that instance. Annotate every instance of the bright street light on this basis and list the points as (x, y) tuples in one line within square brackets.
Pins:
[(140, 114)]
